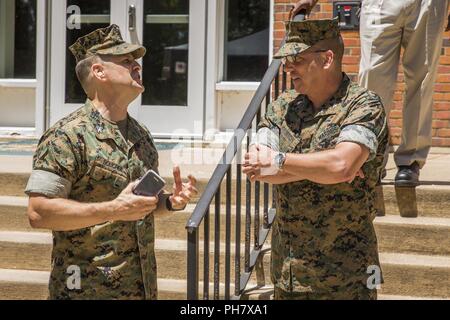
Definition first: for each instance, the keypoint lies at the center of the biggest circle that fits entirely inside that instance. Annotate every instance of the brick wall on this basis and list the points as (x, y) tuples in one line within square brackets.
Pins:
[(441, 108)]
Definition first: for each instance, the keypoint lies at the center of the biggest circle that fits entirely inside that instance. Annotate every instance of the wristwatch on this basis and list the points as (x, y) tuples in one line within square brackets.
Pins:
[(279, 160), (169, 205)]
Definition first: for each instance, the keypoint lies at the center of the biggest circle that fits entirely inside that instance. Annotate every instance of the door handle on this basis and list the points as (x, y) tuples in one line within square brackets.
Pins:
[(132, 17)]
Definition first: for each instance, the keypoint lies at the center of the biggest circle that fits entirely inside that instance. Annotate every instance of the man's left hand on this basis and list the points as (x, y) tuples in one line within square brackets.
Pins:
[(259, 162), (182, 192)]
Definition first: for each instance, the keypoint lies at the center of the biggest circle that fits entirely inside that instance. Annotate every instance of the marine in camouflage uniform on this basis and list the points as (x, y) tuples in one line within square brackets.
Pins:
[(84, 157), (323, 239)]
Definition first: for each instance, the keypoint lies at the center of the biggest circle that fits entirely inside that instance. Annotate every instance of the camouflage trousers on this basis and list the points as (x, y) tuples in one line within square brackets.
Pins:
[(362, 294)]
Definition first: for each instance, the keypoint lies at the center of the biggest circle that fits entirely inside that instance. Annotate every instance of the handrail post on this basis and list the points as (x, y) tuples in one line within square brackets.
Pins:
[(192, 264)]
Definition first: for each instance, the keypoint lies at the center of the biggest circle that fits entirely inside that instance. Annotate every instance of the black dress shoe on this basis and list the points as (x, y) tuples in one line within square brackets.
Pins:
[(408, 176)]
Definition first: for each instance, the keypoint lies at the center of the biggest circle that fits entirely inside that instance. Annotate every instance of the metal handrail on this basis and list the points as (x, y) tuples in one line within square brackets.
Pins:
[(212, 191), (232, 148)]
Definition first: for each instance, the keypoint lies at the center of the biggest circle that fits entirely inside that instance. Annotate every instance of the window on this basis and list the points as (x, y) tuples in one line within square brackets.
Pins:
[(246, 55), (18, 39), (165, 67)]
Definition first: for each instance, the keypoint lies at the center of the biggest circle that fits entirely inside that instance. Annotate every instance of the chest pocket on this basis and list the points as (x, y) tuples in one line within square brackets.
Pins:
[(326, 136), (106, 176), (288, 139)]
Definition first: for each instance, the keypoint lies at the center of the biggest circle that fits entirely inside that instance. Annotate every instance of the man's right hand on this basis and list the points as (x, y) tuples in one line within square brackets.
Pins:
[(130, 207), (302, 5)]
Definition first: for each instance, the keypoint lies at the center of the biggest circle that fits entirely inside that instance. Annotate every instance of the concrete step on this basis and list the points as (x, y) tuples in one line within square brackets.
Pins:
[(429, 200), (13, 185), (422, 235), (404, 275), (266, 293), (33, 285)]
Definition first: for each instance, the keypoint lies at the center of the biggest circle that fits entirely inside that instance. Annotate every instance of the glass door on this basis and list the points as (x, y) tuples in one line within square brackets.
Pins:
[(172, 70), (174, 67)]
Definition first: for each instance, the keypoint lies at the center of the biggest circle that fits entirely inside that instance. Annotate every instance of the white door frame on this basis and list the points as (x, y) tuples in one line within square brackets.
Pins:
[(41, 63)]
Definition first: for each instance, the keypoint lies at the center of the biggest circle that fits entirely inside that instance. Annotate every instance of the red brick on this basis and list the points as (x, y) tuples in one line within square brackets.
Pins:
[(441, 96), (398, 96), (442, 115), (326, 7), (443, 133), (397, 105), (441, 124), (440, 87), (443, 69), (352, 43), (400, 86), (351, 68), (395, 122), (395, 131), (350, 34), (441, 78), (281, 16), (350, 60), (440, 142), (395, 140), (444, 60), (396, 114), (441, 106), (278, 25)]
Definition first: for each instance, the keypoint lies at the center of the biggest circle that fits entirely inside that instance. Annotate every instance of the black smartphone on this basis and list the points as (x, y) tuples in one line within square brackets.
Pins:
[(151, 184)]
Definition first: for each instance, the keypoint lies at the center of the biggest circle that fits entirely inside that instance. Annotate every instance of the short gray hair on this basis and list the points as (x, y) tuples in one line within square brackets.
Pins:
[(83, 70), (336, 45)]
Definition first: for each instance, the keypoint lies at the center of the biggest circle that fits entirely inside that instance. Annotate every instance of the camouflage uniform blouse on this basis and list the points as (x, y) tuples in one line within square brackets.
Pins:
[(83, 157), (323, 238)]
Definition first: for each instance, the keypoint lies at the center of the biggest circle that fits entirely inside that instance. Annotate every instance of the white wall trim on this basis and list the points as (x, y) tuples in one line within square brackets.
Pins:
[(20, 131), (271, 28), (213, 64), (237, 86), (39, 110), (19, 83)]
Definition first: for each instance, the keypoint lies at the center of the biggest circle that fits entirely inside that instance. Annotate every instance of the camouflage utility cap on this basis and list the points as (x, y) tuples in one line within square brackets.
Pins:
[(104, 41), (301, 35)]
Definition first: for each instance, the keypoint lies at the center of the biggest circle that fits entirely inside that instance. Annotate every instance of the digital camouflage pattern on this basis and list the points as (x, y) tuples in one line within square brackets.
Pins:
[(323, 239), (116, 259), (104, 41), (301, 35)]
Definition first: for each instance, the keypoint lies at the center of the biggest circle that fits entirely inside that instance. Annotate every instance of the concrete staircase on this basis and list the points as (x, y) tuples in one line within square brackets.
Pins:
[(415, 252)]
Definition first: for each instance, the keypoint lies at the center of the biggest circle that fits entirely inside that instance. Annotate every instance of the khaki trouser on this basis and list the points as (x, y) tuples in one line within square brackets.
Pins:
[(417, 26)]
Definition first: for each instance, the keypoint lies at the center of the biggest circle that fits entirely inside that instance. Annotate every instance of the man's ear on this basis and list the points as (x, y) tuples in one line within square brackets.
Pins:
[(329, 59), (98, 71)]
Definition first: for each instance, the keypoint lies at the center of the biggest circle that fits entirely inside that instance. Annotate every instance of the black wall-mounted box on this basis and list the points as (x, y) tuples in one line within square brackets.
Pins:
[(348, 14)]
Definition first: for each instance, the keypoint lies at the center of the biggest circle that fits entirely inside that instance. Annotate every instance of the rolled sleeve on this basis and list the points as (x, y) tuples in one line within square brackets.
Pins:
[(361, 135), (267, 137), (48, 184), (55, 165), (366, 124)]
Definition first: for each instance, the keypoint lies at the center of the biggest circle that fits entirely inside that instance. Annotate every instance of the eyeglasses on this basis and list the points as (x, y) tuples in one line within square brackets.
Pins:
[(297, 58)]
